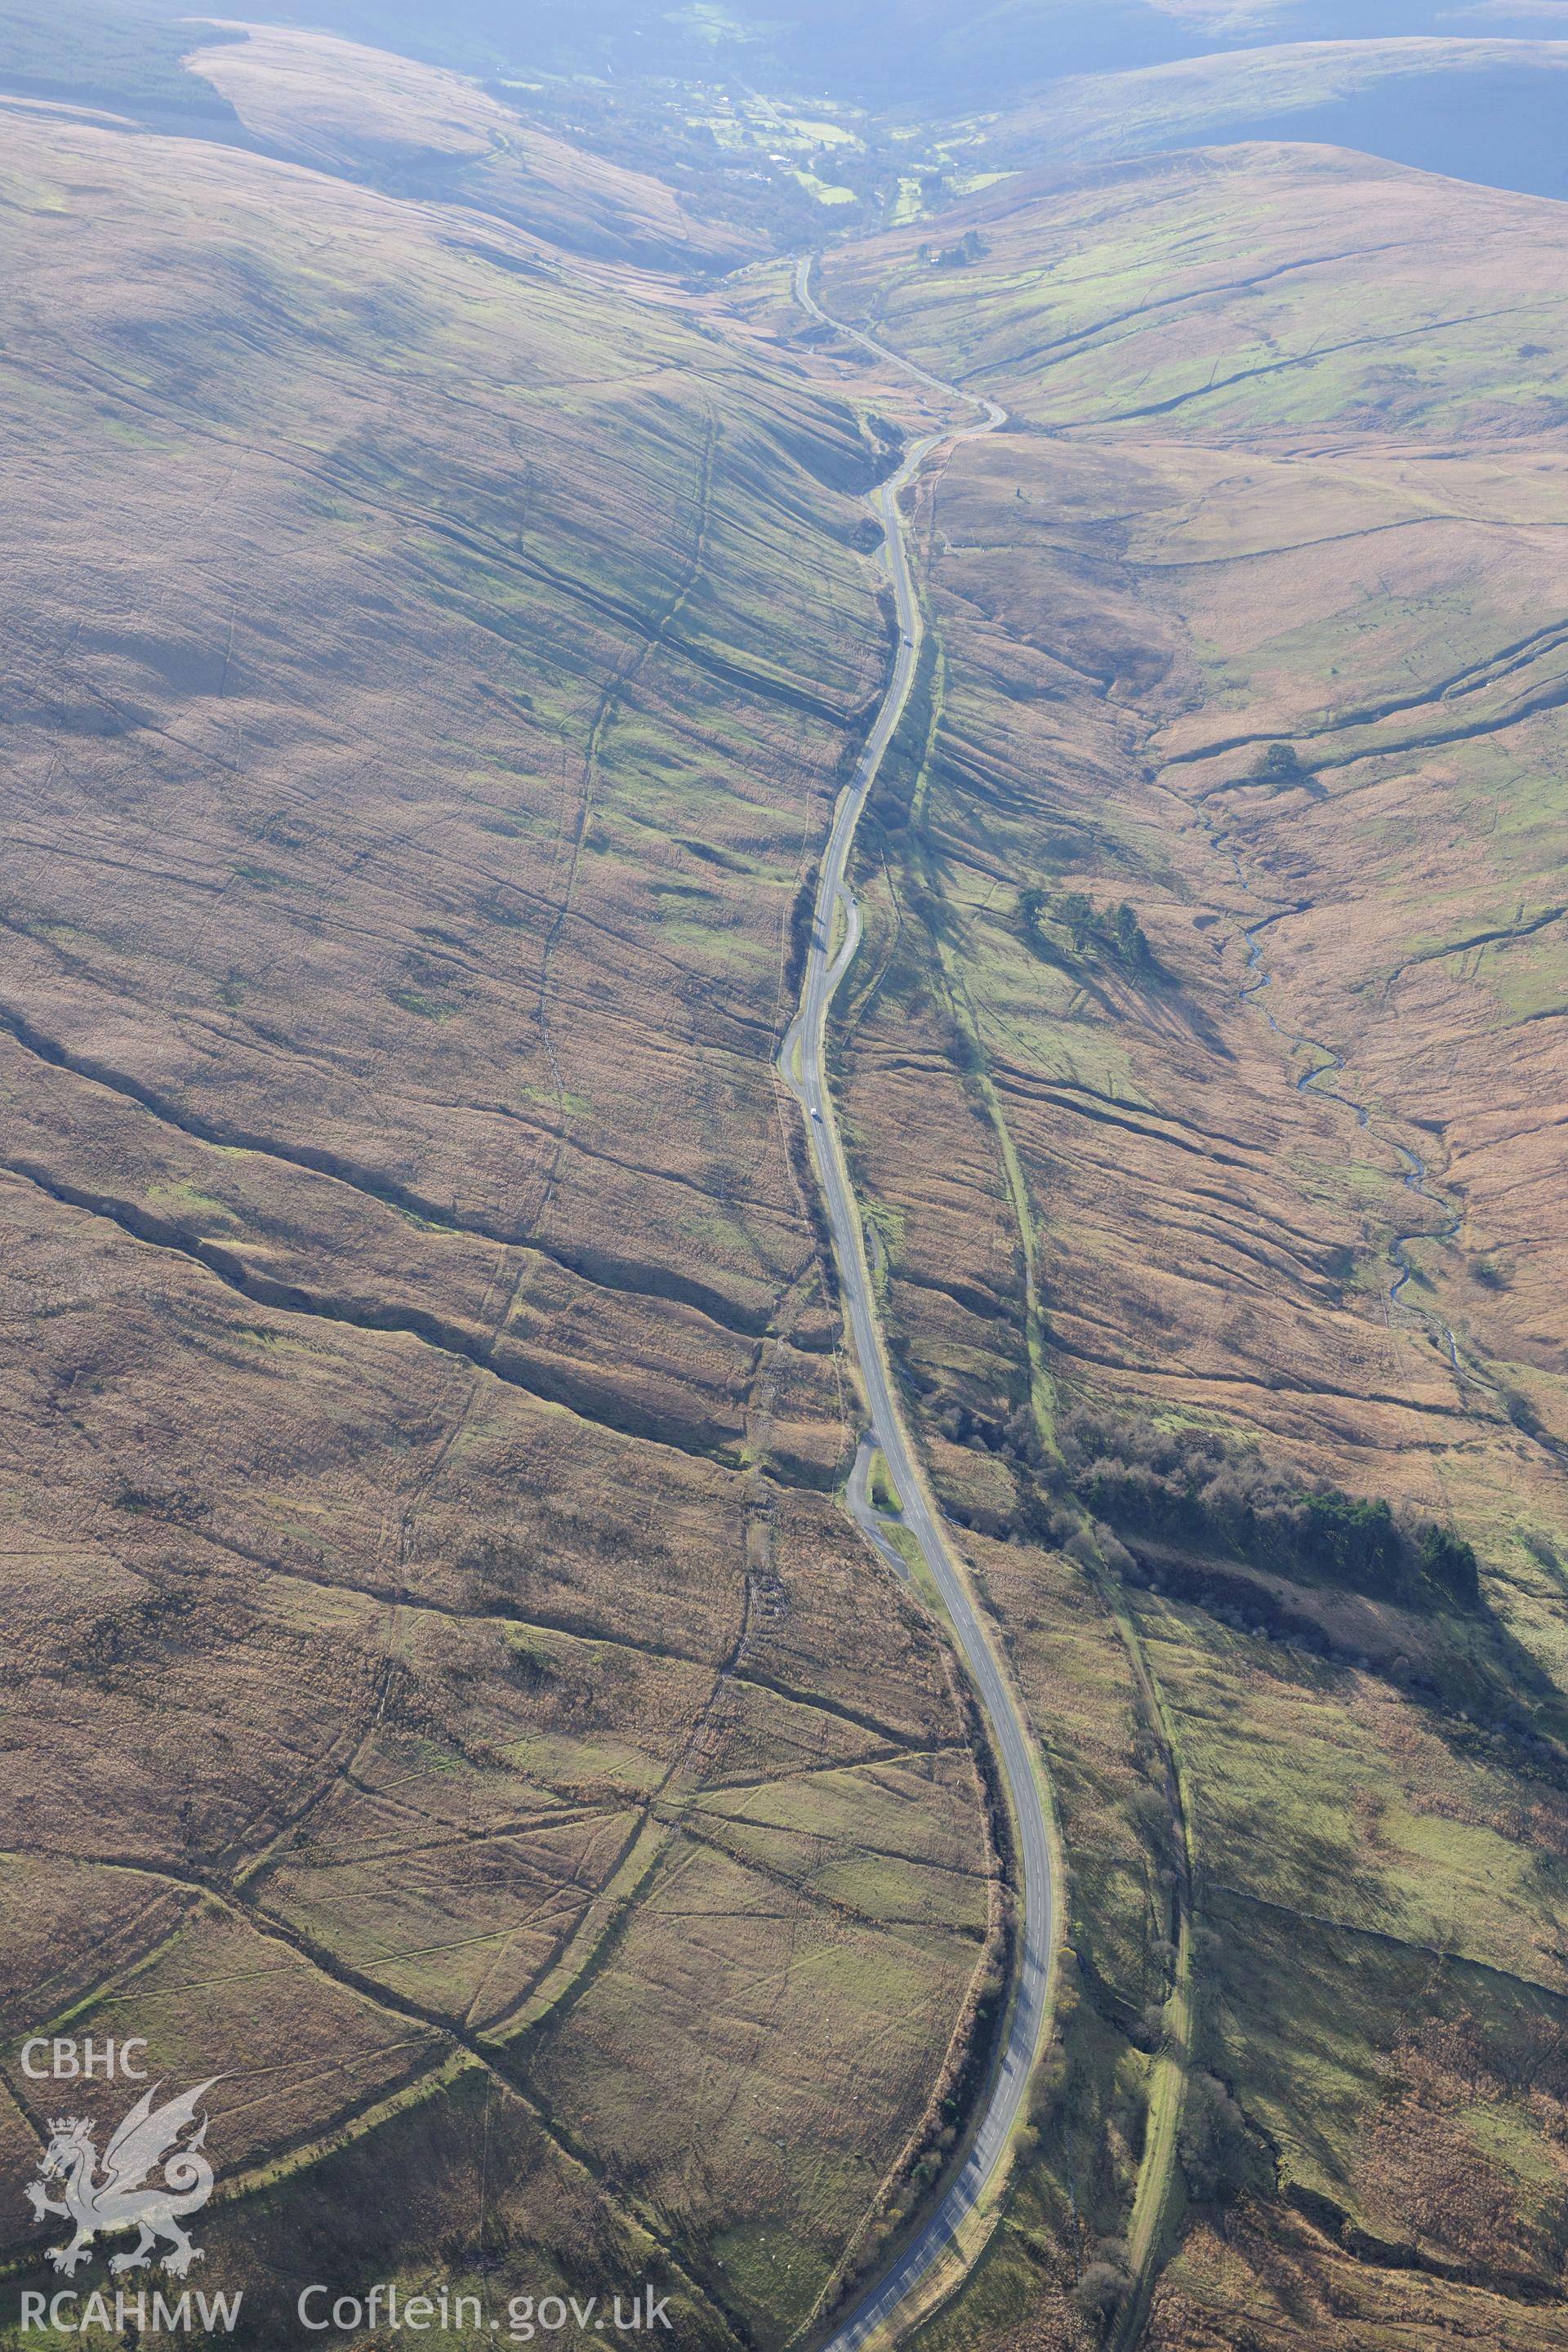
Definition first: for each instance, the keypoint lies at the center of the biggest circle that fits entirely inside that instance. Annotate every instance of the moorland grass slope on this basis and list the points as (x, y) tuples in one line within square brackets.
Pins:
[(444, 1702), (1209, 1041)]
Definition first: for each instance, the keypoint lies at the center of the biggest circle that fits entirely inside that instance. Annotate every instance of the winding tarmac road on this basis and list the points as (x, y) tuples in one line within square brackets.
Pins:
[(803, 1062)]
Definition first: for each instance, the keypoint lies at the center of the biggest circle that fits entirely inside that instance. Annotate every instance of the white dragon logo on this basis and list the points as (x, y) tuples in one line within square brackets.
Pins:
[(123, 2197)]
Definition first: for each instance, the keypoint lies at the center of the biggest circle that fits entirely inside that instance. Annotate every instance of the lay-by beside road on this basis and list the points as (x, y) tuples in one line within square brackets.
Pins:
[(803, 1061)]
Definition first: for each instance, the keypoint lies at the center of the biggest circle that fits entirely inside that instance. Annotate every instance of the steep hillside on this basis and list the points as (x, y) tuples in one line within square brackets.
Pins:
[(1206, 1048), (413, 129), (1476, 109), (443, 1699), (919, 52)]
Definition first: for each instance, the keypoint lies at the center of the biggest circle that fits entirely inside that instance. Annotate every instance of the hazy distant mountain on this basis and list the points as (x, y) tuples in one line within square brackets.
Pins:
[(1483, 110), (879, 52), (885, 50)]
